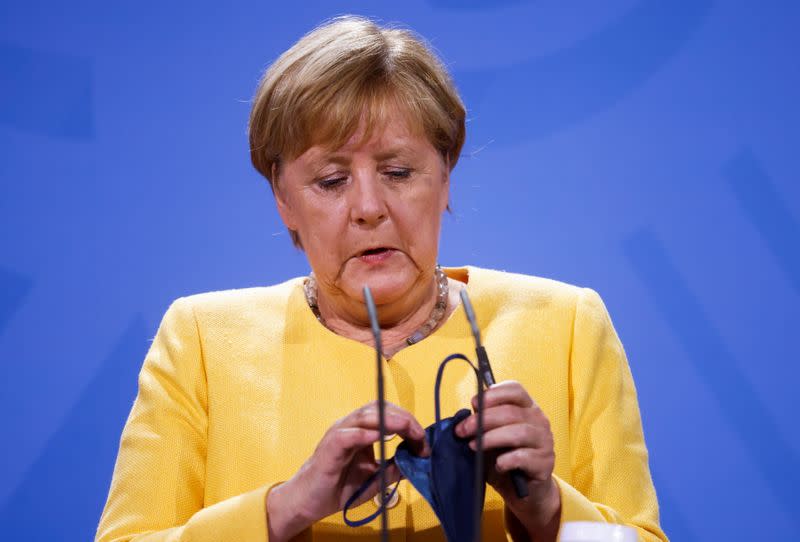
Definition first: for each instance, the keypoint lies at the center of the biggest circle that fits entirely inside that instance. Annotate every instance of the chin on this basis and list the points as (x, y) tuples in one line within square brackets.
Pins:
[(386, 285)]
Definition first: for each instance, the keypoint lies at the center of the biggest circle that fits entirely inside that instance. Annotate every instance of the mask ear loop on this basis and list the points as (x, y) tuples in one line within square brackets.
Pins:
[(376, 333), (477, 511), (440, 374), (355, 496)]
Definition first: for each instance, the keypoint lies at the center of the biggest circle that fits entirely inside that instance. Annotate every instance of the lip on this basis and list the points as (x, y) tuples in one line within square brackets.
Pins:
[(372, 258)]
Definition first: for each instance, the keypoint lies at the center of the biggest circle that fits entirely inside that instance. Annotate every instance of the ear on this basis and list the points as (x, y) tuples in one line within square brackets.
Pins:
[(445, 194), (282, 202)]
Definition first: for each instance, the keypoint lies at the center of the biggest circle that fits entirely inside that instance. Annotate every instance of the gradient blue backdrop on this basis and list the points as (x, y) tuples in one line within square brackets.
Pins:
[(648, 149)]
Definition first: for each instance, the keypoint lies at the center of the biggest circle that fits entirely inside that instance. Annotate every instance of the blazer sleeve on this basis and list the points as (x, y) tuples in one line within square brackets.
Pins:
[(610, 473), (157, 489)]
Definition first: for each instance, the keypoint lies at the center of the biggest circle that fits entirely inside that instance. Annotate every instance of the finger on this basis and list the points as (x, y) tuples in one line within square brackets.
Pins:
[(494, 417), (400, 425), (536, 464), (508, 391), (346, 441), (518, 435), (397, 419)]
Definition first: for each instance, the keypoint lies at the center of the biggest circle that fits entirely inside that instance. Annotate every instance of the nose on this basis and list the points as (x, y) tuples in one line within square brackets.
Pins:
[(367, 200)]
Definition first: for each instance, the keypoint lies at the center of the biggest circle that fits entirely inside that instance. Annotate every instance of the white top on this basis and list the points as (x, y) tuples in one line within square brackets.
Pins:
[(589, 531)]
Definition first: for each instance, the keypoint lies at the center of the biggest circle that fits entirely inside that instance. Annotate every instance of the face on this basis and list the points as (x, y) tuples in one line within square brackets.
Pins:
[(368, 213)]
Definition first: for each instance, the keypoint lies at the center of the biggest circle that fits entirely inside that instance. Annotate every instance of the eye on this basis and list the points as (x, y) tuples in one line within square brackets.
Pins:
[(331, 183), (398, 173)]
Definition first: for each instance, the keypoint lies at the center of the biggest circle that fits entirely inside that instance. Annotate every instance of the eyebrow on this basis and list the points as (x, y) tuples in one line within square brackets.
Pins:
[(393, 153), (336, 158), (343, 159)]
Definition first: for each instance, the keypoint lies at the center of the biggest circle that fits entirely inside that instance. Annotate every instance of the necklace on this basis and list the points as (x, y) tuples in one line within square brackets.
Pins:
[(310, 289)]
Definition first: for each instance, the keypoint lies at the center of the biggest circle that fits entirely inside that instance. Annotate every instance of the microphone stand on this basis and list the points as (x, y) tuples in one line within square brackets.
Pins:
[(518, 478), (376, 333)]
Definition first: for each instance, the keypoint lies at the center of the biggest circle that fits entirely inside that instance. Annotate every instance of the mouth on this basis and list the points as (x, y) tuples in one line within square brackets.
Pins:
[(373, 251), (375, 255)]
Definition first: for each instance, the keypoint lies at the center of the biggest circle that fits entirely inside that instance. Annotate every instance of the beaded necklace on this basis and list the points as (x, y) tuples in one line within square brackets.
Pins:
[(439, 309)]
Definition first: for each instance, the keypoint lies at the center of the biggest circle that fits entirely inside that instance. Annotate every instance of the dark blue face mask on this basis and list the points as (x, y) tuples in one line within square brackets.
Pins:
[(447, 479)]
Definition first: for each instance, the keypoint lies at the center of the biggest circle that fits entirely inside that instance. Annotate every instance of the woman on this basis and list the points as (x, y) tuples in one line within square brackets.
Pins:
[(254, 418)]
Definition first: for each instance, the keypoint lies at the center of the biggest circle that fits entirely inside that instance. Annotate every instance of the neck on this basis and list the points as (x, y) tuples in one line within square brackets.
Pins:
[(349, 317), (398, 320)]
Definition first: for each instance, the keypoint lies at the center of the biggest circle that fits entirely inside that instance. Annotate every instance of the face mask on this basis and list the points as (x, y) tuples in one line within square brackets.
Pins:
[(446, 478)]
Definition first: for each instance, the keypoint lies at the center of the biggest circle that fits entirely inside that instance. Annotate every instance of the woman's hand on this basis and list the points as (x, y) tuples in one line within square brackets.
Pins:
[(342, 461), (517, 436)]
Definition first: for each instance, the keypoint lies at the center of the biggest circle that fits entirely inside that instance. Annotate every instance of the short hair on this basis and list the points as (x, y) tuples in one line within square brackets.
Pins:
[(344, 71)]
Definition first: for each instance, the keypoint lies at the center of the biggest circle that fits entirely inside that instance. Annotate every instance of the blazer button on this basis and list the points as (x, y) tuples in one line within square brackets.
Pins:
[(393, 498)]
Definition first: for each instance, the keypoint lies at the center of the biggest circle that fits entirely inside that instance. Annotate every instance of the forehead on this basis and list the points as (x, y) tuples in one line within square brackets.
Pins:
[(393, 134)]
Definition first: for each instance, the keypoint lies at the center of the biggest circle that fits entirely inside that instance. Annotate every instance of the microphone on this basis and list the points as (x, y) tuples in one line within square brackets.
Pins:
[(376, 333), (518, 478)]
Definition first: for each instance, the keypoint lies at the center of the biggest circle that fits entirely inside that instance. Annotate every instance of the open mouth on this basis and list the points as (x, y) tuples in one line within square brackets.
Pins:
[(374, 251), (375, 255)]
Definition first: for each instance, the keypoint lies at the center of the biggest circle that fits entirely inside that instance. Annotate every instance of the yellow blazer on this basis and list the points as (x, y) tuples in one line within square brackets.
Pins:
[(239, 386)]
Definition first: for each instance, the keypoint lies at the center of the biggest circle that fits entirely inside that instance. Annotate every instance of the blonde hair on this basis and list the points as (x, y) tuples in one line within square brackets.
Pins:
[(346, 71)]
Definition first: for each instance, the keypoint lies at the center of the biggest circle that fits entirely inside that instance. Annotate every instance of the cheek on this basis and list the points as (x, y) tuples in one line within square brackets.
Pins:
[(428, 211), (420, 222), (322, 231), (323, 219)]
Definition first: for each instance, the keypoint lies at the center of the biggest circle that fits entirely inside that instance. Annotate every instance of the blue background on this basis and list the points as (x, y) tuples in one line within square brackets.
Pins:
[(647, 149)]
